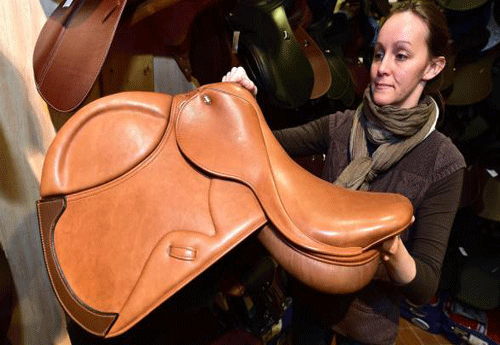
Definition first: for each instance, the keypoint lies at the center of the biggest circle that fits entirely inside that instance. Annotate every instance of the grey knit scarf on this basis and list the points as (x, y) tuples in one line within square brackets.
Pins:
[(396, 131)]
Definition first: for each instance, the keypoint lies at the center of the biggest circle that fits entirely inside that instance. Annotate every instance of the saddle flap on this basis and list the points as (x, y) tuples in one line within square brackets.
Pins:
[(343, 87), (71, 49), (126, 221)]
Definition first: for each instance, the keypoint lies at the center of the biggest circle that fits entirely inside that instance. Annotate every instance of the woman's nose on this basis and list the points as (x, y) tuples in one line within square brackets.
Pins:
[(383, 66)]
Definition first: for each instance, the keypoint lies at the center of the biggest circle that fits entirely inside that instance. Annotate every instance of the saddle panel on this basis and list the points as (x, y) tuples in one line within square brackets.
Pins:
[(122, 247), (71, 48), (322, 276)]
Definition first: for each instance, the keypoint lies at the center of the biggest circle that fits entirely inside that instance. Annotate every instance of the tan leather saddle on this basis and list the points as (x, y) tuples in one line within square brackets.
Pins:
[(142, 192)]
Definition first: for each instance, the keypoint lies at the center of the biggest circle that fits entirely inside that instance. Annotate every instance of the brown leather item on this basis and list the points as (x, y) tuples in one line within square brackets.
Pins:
[(74, 42), (142, 192), (319, 63), (71, 49), (168, 30)]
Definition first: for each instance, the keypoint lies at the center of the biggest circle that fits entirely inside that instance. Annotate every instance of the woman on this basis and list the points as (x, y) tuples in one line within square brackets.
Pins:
[(388, 144)]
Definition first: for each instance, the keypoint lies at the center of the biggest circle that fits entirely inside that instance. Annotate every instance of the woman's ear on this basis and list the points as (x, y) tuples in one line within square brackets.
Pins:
[(435, 66)]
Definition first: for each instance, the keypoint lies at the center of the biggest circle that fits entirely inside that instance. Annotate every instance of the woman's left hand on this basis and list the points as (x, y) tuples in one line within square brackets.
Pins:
[(400, 264)]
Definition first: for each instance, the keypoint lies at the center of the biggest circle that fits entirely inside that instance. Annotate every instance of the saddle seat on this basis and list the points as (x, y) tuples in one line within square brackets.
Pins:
[(141, 192)]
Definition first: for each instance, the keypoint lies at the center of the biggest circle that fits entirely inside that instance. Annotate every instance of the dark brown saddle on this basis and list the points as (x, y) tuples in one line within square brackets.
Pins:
[(142, 192), (76, 39)]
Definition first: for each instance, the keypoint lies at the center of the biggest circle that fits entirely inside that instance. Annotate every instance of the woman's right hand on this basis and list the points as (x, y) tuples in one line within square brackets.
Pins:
[(239, 75)]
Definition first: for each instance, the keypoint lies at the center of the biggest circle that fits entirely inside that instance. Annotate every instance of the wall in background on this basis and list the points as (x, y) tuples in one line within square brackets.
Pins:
[(25, 133)]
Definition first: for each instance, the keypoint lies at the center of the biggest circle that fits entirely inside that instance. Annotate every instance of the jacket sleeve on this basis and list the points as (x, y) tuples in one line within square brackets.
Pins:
[(310, 138), (433, 223)]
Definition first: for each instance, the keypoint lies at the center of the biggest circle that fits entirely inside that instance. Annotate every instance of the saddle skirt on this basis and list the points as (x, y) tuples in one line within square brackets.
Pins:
[(141, 192)]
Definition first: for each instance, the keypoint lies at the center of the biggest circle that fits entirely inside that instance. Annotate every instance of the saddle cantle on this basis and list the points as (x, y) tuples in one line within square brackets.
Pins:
[(142, 192)]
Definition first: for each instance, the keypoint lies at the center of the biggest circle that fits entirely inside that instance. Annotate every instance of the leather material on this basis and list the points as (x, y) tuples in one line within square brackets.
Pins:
[(477, 72), (141, 227), (175, 22), (271, 54), (298, 13), (75, 41), (49, 212), (339, 278), (318, 61), (99, 142), (300, 16), (71, 49), (329, 32)]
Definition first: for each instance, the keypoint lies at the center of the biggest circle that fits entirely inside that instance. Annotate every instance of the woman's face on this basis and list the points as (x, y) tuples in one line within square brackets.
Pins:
[(402, 63)]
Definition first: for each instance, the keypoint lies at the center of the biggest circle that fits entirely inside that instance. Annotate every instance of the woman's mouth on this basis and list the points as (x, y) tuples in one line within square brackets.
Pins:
[(381, 86)]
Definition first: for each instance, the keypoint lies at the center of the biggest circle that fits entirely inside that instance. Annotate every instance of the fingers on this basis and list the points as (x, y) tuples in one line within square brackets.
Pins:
[(239, 75), (236, 74), (230, 76)]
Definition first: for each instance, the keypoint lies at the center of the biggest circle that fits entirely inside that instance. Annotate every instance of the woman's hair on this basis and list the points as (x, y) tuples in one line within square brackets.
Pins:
[(438, 40)]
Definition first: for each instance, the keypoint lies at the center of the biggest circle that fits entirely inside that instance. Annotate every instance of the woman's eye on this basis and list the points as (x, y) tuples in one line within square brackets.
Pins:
[(378, 56), (401, 57)]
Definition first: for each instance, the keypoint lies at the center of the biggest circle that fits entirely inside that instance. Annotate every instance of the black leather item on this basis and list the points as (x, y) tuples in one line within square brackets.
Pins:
[(343, 87), (270, 52)]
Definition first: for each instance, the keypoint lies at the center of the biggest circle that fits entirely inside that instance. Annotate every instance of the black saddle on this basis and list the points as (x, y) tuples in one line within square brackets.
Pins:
[(270, 52)]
